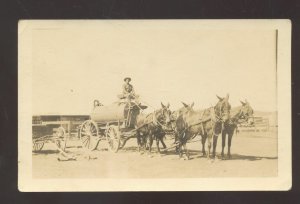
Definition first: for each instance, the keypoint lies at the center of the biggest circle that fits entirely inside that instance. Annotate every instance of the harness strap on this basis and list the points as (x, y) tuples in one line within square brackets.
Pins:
[(159, 123), (154, 121), (202, 128), (200, 122)]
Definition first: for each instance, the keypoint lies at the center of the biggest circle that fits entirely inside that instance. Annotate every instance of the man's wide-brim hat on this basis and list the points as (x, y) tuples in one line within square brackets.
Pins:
[(127, 78)]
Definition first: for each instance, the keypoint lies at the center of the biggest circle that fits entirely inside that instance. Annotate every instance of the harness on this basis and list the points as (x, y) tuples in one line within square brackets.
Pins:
[(213, 118), (237, 117), (235, 120), (154, 120)]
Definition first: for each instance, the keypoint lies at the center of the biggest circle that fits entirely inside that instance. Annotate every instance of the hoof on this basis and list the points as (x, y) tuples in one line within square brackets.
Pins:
[(150, 156)]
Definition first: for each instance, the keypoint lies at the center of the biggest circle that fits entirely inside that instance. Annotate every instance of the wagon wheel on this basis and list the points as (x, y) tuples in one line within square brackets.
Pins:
[(89, 135), (37, 146), (113, 138), (61, 141)]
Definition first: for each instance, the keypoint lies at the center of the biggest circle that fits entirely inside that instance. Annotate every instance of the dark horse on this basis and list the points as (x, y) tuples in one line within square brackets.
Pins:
[(208, 123), (151, 127), (238, 115)]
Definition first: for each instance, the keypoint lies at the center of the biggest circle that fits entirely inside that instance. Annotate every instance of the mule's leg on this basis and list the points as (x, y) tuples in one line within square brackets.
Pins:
[(229, 144), (162, 142), (138, 138), (215, 141), (138, 143), (150, 142), (203, 140), (157, 145), (176, 142), (180, 150), (144, 142), (223, 143), (186, 151), (208, 146)]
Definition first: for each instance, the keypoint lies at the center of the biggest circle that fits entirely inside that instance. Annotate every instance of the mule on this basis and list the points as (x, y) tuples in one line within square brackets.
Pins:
[(150, 127), (238, 115), (208, 123)]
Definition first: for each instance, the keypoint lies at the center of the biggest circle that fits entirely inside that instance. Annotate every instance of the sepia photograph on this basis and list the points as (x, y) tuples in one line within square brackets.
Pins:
[(154, 105)]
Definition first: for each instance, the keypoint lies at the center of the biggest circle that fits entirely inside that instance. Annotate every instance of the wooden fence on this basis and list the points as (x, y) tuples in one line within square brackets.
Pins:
[(261, 124)]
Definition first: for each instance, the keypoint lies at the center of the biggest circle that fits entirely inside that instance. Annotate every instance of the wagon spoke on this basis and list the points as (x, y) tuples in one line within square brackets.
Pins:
[(88, 132), (112, 137), (84, 133), (84, 140), (37, 146), (88, 143)]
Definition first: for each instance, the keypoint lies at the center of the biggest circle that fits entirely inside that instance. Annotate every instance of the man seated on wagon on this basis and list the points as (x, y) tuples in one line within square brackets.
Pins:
[(128, 91)]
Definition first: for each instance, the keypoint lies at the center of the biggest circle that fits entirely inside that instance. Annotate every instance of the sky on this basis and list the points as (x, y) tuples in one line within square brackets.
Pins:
[(77, 62)]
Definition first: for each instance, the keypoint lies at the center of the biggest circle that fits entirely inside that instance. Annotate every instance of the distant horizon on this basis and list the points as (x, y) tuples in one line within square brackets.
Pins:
[(83, 114)]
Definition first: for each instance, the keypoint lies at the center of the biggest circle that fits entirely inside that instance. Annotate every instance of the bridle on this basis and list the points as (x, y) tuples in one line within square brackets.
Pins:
[(240, 116), (220, 112), (156, 121)]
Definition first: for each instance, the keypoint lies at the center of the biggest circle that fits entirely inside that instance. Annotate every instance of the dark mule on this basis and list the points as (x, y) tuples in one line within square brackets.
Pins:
[(151, 127), (208, 123), (238, 115)]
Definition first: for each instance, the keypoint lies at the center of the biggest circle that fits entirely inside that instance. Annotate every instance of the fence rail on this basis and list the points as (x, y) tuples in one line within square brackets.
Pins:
[(261, 124)]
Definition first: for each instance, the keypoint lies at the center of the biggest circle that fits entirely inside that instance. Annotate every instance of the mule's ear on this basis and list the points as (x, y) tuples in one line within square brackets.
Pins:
[(220, 98), (185, 105), (192, 105), (246, 101), (162, 105), (227, 97), (243, 103)]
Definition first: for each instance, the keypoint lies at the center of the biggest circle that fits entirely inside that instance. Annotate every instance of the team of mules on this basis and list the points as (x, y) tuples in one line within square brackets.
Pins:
[(186, 123)]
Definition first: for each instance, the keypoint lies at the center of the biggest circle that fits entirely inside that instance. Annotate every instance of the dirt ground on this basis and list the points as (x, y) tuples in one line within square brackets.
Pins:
[(253, 155)]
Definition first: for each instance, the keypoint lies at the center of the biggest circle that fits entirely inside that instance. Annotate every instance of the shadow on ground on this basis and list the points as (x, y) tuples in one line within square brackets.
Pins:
[(194, 154), (198, 154), (46, 152)]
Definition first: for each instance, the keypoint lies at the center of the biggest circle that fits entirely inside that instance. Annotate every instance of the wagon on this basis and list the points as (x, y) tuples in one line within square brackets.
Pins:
[(114, 123), (44, 133), (57, 129)]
